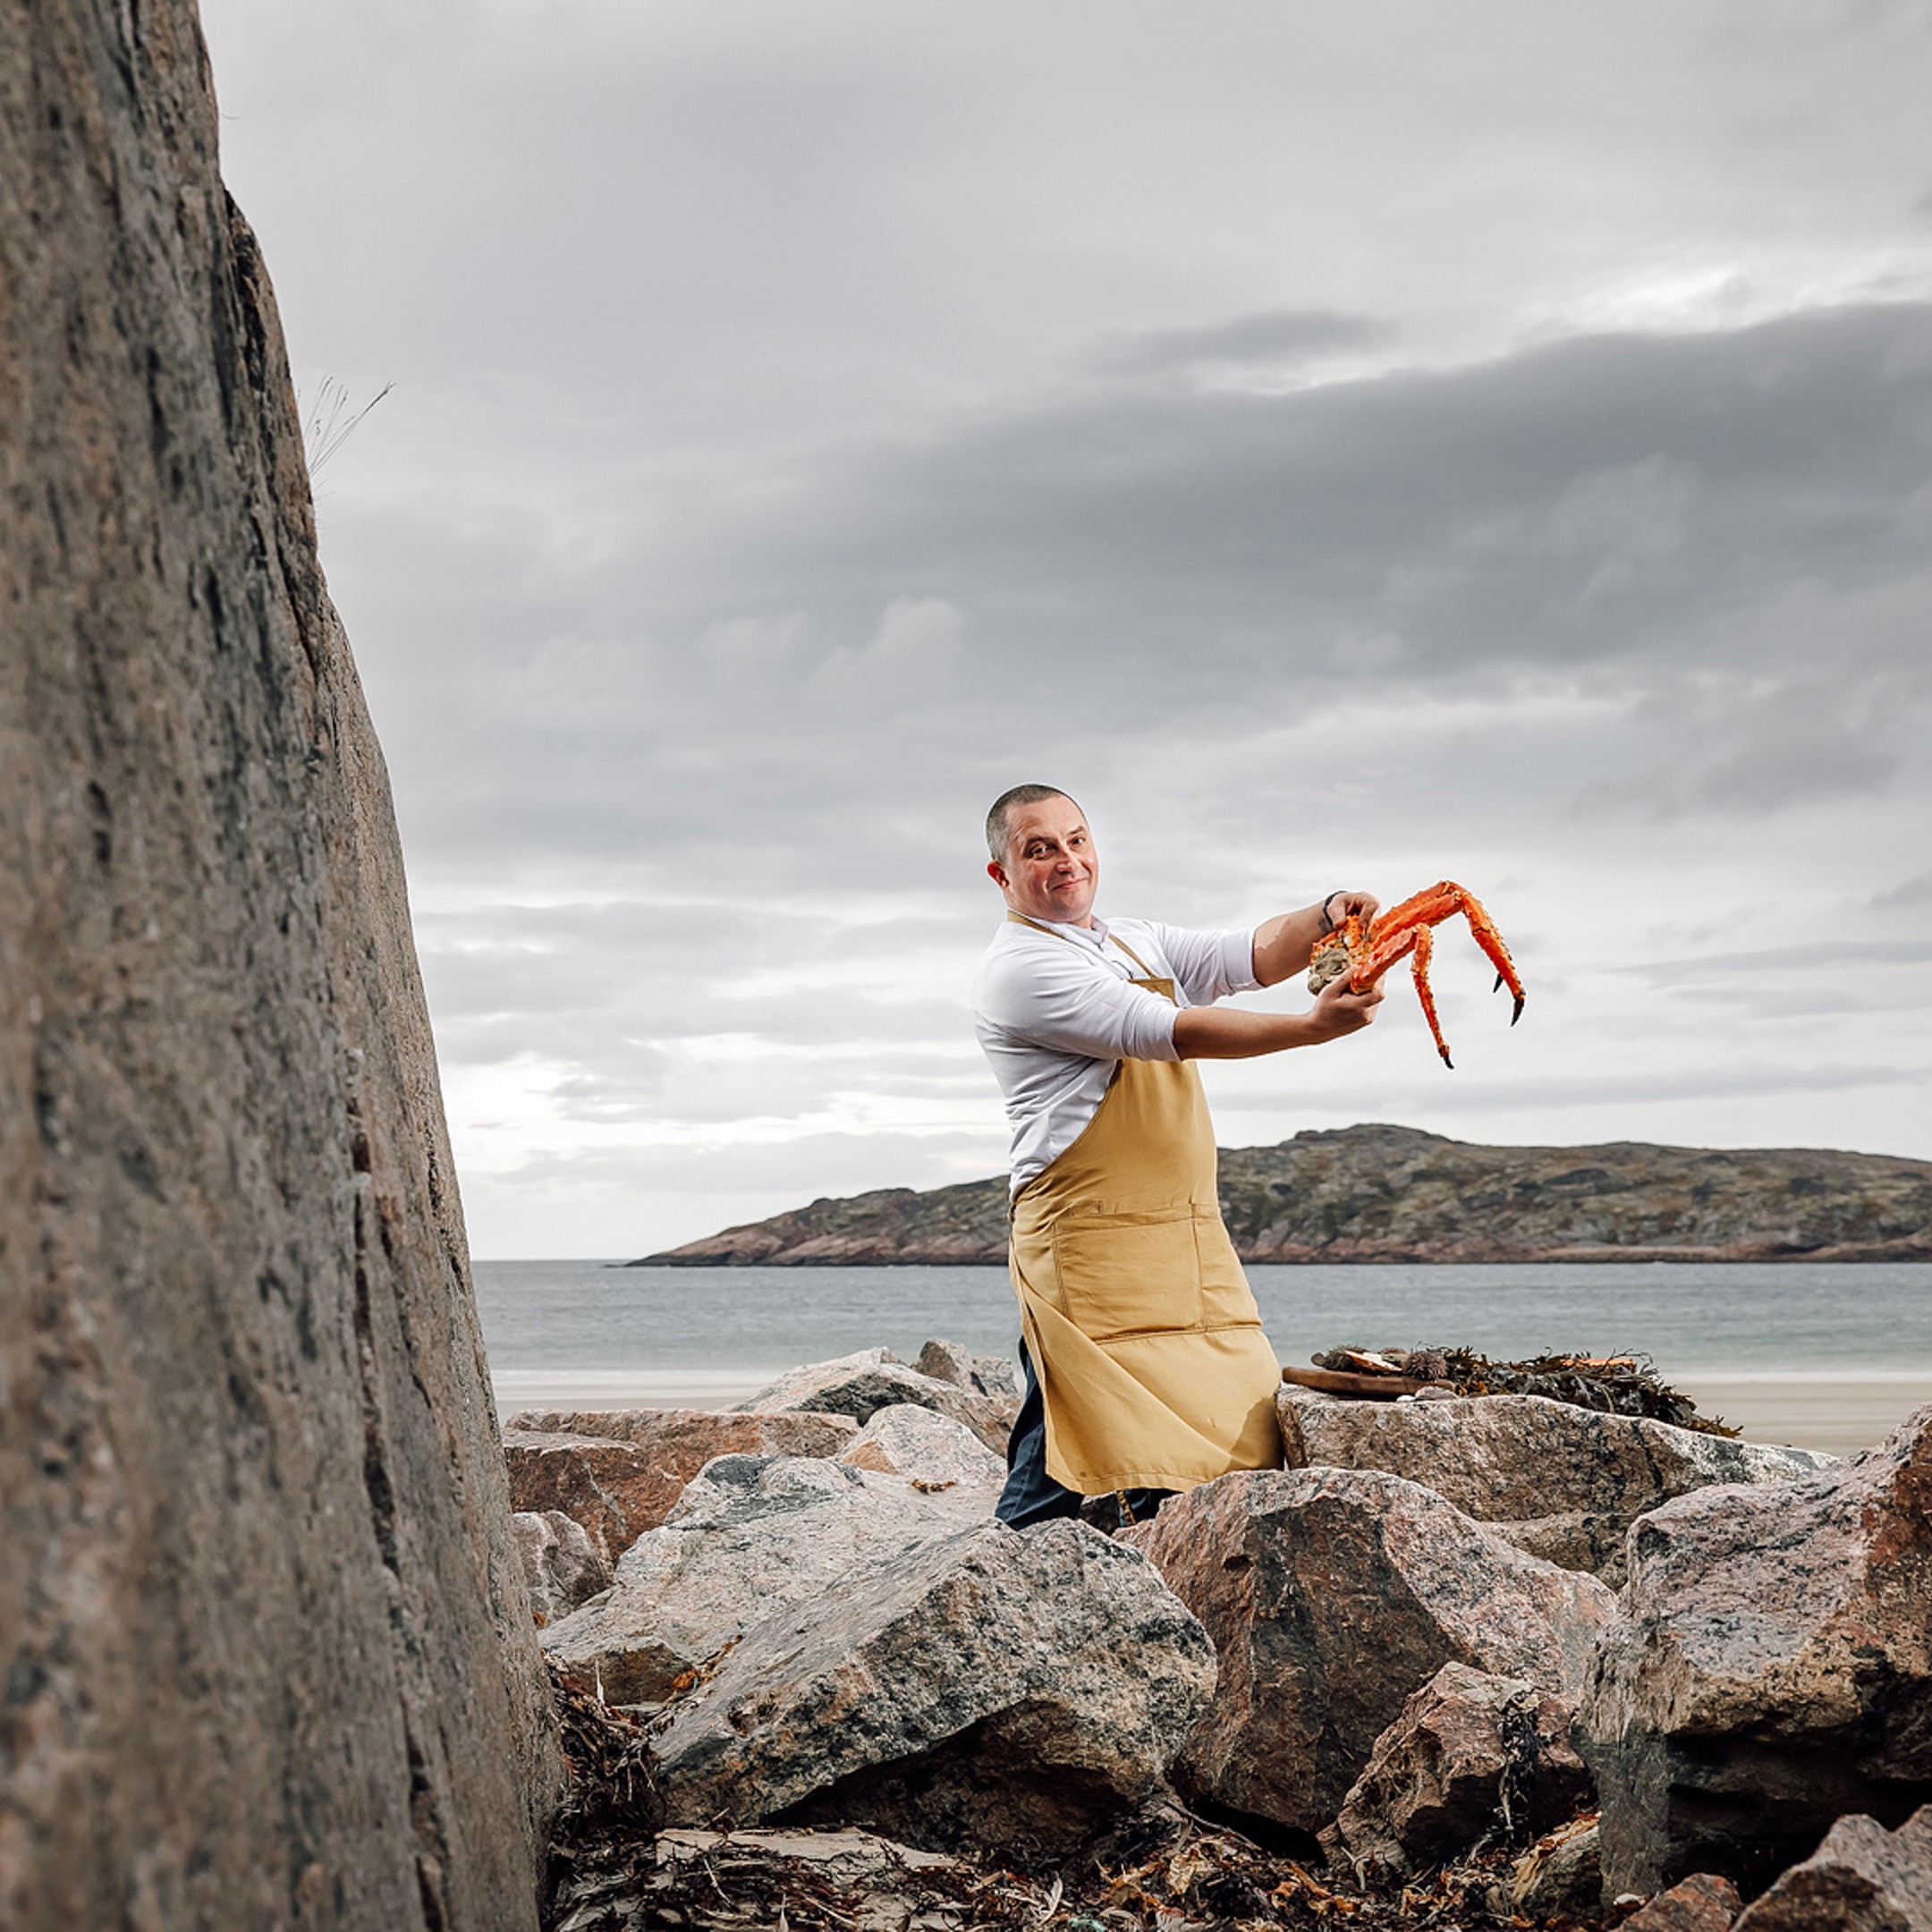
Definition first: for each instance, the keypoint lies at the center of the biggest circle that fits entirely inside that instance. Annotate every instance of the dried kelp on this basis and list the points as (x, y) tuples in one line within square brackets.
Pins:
[(1189, 1880), (613, 1800), (1612, 1385)]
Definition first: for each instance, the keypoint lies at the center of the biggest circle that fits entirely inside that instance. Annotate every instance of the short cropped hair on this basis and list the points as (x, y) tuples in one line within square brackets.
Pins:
[(996, 830)]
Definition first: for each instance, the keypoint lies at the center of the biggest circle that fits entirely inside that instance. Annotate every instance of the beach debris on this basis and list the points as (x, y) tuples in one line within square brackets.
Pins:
[(1403, 931), (613, 1795), (1172, 1874), (1612, 1385)]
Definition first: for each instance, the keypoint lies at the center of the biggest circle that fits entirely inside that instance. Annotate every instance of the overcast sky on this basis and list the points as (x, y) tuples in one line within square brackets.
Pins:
[(1343, 445)]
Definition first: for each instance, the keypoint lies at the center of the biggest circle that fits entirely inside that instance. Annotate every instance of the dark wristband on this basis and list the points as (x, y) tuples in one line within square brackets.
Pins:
[(1327, 924)]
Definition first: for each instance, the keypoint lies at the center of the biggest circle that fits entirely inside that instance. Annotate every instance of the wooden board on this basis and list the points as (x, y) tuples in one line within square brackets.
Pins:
[(1338, 1382)]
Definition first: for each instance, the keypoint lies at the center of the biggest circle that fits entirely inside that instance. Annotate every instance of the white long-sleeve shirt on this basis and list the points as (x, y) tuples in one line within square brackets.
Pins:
[(1055, 1019)]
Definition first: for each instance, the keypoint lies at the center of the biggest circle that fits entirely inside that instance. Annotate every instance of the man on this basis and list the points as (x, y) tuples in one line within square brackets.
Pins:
[(1146, 1368)]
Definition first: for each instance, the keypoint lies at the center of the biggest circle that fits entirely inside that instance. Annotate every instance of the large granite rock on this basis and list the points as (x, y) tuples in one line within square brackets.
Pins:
[(751, 1535), (270, 1658), (1333, 1594), (1769, 1671), (1562, 1482), (1862, 1879), (996, 1688), (858, 1385), (1470, 1757)]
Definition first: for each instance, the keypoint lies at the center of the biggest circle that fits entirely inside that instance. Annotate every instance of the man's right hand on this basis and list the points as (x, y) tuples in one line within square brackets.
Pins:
[(1339, 1009)]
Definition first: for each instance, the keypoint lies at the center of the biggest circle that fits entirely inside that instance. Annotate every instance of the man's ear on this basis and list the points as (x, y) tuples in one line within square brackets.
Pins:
[(996, 872)]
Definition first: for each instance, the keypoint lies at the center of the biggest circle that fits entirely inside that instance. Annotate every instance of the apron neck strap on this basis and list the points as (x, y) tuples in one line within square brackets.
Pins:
[(1020, 918)]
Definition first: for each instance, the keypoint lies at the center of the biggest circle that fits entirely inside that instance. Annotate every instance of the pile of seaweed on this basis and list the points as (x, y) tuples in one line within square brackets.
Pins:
[(613, 1798), (1612, 1385), (1195, 1876)]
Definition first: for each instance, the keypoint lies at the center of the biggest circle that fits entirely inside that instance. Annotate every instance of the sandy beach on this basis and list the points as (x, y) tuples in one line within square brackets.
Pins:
[(1841, 1414)]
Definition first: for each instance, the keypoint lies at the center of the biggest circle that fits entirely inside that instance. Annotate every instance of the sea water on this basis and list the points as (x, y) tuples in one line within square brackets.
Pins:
[(585, 1334)]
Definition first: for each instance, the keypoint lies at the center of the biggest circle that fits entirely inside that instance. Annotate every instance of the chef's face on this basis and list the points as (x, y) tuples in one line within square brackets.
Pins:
[(1050, 871)]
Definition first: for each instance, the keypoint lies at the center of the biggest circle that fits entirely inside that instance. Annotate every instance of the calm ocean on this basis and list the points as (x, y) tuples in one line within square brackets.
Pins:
[(583, 1334)]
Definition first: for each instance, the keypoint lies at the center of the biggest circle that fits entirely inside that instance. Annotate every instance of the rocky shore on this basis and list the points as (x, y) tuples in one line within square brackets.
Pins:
[(1496, 1660), (1381, 1193)]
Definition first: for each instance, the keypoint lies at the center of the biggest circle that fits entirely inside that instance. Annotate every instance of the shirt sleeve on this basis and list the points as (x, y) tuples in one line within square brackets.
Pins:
[(1209, 966), (1054, 997)]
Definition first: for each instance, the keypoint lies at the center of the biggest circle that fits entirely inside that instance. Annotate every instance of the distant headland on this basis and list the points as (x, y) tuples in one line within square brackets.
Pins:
[(1385, 1193)]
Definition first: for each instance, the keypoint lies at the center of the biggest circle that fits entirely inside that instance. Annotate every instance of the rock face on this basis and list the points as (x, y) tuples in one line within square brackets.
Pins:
[(996, 1687), (270, 1659), (1375, 1193), (1769, 1671), (1332, 1596), (1562, 1482), (751, 1535), (858, 1386), (1863, 1878), (1471, 1757)]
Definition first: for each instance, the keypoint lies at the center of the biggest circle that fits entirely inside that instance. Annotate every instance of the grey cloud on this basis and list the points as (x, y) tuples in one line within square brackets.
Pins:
[(1912, 891), (1623, 506), (1799, 959), (1282, 337)]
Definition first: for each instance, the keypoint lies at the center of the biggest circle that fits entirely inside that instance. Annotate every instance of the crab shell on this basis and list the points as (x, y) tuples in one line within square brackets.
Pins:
[(1327, 962)]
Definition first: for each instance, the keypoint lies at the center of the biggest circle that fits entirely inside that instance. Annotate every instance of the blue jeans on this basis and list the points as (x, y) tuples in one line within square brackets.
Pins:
[(1031, 1496)]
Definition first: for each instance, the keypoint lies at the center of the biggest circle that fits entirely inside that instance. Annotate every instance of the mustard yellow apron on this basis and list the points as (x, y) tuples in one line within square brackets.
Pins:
[(1153, 1369)]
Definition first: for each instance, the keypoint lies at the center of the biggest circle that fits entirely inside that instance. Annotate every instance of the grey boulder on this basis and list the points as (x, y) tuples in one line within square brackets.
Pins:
[(997, 1687), (1562, 1482), (1769, 1672), (561, 1566), (1332, 1597), (750, 1535), (931, 1451), (858, 1385)]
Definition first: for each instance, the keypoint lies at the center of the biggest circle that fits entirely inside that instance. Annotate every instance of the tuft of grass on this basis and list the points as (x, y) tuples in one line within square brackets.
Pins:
[(329, 421)]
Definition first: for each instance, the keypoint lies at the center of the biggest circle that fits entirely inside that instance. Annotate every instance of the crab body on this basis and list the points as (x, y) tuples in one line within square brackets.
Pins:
[(1404, 932)]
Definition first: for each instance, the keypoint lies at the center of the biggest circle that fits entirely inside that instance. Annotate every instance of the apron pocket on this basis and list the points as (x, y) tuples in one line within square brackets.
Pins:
[(1126, 1274)]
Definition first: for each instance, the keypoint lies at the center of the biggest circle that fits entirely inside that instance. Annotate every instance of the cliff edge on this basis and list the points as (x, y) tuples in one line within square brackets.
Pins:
[(268, 1655)]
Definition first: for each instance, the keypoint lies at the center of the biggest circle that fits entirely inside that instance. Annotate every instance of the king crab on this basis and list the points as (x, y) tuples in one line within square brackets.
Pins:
[(1365, 954)]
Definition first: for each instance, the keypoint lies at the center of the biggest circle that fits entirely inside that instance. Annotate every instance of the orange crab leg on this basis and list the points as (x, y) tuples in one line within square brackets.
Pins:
[(1425, 943)]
